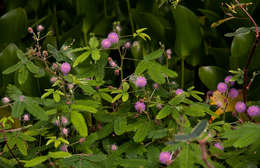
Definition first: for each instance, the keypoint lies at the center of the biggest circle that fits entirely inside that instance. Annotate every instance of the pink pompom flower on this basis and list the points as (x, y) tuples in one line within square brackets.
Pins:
[(253, 111), (222, 87), (140, 81), (5, 100), (227, 80), (113, 147), (113, 37), (240, 107), (65, 68), (106, 43), (165, 158), (233, 93), (179, 91), (140, 106)]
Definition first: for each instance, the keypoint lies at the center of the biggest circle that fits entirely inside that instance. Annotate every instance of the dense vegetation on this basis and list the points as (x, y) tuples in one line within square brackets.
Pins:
[(131, 84)]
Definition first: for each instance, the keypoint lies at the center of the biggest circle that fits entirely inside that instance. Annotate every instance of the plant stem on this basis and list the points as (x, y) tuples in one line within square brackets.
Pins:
[(130, 15), (182, 73), (204, 152), (252, 51)]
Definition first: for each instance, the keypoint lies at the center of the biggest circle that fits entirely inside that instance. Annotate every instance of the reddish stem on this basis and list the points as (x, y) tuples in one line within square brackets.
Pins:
[(252, 51)]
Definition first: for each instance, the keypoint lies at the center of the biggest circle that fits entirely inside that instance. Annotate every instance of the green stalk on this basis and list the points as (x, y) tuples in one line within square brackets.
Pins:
[(130, 16), (182, 73)]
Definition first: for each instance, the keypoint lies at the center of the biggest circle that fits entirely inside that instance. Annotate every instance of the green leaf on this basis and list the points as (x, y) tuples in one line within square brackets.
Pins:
[(177, 100), (21, 146), (56, 97), (141, 67), (22, 75), (106, 97), (13, 92), (131, 163), (13, 68), (197, 110), (93, 42), (81, 58), (36, 110), (154, 55), (211, 76), (125, 86), (156, 75), (117, 97), (18, 109), (186, 158), (32, 68), (13, 25), (95, 54), (142, 132), (48, 93), (79, 123), (35, 161), (83, 108), (87, 89), (96, 158), (125, 97), (164, 112), (21, 56), (120, 125), (188, 35), (169, 72), (59, 154), (196, 132)]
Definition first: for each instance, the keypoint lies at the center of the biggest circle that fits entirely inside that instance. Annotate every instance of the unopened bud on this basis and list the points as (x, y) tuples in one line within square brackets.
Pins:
[(5, 100), (45, 53), (30, 30), (116, 72), (53, 79), (113, 147), (26, 117)]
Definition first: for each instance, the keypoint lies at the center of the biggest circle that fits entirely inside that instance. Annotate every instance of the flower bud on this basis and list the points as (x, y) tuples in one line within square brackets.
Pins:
[(30, 30)]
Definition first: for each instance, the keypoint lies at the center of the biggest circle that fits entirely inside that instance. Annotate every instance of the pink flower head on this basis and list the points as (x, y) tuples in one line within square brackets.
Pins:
[(227, 80), (219, 146), (65, 131), (63, 148), (65, 68), (113, 37), (155, 86), (5, 100), (21, 98), (222, 87), (233, 93), (127, 45), (140, 81), (53, 79), (64, 120), (106, 43), (253, 111), (26, 117), (113, 147), (165, 158), (240, 107), (81, 140), (179, 91), (140, 106), (112, 63), (168, 52), (40, 28)]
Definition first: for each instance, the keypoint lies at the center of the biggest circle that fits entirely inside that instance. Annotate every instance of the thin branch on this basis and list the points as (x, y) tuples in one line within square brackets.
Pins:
[(252, 51), (204, 152)]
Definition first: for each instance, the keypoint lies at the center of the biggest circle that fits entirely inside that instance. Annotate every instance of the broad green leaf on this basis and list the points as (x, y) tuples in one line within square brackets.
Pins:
[(36, 110), (22, 75), (188, 35), (83, 108), (21, 146), (95, 54), (156, 75), (21, 56), (142, 132), (141, 67), (177, 100), (117, 97), (18, 109), (13, 91), (154, 55), (196, 132), (169, 72), (48, 93), (186, 158), (106, 97), (13, 68), (120, 125), (35, 161), (8, 57), (164, 112), (93, 42), (96, 157), (56, 97), (87, 89), (81, 58), (125, 86), (59, 154), (32, 67), (13, 25), (125, 97), (211, 76), (79, 123)]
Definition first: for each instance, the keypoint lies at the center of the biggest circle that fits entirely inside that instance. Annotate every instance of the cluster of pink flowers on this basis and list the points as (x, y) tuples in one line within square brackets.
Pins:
[(223, 87), (112, 38), (252, 111), (62, 122), (65, 68)]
